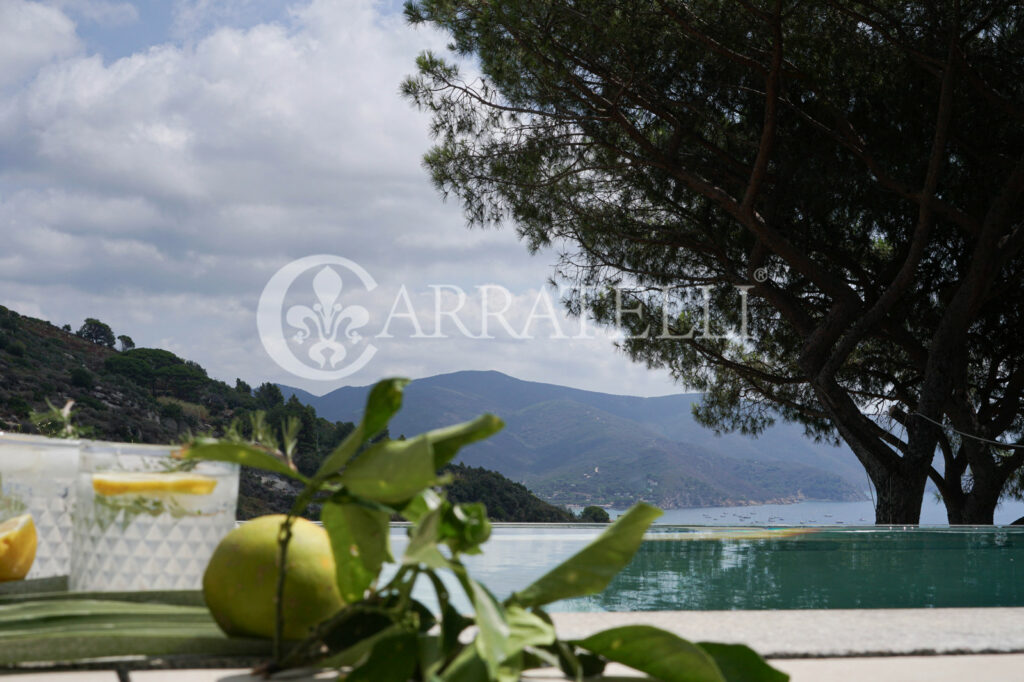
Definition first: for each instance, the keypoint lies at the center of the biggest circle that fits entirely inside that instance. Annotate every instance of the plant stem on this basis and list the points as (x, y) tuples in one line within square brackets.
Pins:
[(283, 538)]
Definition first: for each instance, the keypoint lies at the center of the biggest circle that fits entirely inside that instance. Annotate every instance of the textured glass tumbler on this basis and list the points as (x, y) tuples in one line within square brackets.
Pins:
[(37, 477), (145, 520)]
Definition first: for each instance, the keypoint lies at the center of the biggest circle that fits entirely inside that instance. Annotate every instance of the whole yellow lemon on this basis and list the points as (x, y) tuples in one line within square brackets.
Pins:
[(240, 582)]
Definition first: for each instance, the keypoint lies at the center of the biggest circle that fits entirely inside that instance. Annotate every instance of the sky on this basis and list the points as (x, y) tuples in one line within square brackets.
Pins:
[(161, 161)]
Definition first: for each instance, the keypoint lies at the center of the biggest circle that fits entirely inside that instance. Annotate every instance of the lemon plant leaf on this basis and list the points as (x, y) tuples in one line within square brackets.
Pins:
[(740, 663), (391, 471), (421, 505), (422, 547), (359, 542), (653, 651), (448, 441), (591, 569), (527, 629), (384, 400), (467, 666), (392, 659), (244, 454), (492, 639)]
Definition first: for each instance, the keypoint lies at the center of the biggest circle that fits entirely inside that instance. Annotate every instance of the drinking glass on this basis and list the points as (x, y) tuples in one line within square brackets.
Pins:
[(145, 520), (37, 477)]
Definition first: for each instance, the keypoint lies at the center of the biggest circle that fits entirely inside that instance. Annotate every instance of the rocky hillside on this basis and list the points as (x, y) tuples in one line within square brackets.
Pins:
[(148, 395)]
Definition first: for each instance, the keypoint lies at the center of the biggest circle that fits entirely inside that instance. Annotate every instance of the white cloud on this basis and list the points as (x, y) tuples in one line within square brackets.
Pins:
[(32, 35), (160, 191)]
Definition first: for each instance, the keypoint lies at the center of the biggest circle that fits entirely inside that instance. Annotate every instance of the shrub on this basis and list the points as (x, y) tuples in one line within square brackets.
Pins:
[(171, 410), (158, 370), (182, 411), (19, 406), (89, 401), (135, 369), (82, 378)]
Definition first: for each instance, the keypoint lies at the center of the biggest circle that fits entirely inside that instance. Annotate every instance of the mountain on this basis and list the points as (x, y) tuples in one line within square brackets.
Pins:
[(148, 395), (574, 446)]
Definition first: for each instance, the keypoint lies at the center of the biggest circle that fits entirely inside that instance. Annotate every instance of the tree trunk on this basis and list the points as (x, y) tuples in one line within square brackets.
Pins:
[(977, 507), (899, 497)]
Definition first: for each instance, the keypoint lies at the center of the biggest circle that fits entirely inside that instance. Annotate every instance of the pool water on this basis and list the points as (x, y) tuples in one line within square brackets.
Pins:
[(700, 568)]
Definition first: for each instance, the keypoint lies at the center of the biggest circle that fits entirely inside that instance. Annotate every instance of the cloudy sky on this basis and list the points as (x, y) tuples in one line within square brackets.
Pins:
[(161, 161)]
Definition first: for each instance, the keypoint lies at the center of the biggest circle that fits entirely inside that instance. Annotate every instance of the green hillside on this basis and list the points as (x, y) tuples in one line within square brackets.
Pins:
[(149, 395), (506, 500)]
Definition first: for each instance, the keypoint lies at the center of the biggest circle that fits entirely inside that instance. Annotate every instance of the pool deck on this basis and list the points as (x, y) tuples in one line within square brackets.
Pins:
[(880, 645), (829, 633)]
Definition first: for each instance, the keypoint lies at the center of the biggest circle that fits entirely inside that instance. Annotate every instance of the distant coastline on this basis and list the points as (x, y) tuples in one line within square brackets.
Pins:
[(813, 512)]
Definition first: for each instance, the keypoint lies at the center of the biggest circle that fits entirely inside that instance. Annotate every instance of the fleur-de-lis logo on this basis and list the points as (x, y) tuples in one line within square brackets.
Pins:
[(324, 332), (325, 320)]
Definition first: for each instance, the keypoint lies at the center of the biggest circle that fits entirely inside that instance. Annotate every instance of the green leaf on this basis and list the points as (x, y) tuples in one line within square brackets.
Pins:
[(467, 666), (575, 662), (70, 630), (511, 670), (740, 663), (359, 541), (492, 639), (384, 400), (449, 440), (591, 569), (241, 453), (391, 471), (393, 659), (452, 625), (419, 506), (175, 597), (340, 456), (423, 538), (350, 645), (539, 657), (452, 622), (429, 655), (527, 629), (655, 652)]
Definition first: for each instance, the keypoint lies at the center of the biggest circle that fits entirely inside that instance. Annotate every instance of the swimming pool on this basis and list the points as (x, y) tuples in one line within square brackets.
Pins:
[(701, 568)]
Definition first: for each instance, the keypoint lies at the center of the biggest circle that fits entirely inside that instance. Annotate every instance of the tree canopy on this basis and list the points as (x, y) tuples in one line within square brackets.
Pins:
[(855, 170), (594, 514), (268, 396), (97, 332)]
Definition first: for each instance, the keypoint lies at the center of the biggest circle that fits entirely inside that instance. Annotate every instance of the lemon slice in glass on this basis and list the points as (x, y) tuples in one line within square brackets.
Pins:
[(17, 547), (130, 483)]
